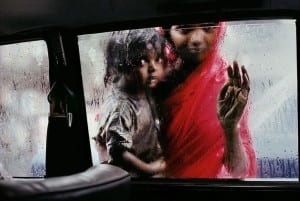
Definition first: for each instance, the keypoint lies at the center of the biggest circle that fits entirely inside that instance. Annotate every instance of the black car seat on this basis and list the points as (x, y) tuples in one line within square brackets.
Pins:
[(100, 182)]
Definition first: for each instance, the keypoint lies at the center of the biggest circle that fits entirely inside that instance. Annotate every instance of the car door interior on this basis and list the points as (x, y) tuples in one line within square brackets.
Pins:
[(69, 170), (105, 182)]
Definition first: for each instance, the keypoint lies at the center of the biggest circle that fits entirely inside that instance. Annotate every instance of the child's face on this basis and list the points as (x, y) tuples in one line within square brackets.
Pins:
[(152, 70), (193, 41)]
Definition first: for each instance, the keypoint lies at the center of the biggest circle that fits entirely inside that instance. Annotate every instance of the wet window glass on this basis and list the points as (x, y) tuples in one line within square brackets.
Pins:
[(268, 50), (23, 108), (222, 95)]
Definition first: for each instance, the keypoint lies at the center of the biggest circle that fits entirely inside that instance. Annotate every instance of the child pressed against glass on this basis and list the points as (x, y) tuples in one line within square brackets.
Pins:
[(129, 127)]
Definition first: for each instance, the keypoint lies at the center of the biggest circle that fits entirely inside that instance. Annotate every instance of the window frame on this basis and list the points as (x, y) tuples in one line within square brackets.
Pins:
[(176, 188)]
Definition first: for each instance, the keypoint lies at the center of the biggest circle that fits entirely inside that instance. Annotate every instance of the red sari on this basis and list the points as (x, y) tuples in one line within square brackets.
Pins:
[(195, 141)]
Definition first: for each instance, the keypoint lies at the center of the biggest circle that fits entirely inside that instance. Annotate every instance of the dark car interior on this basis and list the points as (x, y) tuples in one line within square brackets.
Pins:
[(69, 170)]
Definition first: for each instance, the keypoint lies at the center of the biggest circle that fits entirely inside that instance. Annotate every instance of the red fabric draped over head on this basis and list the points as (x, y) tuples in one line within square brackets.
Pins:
[(195, 140)]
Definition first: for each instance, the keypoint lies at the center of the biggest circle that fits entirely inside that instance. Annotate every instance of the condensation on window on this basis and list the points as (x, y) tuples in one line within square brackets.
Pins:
[(24, 109), (92, 56), (268, 51), (267, 48)]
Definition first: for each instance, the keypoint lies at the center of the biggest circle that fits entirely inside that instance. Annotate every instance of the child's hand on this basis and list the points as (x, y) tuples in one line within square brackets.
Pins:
[(153, 168), (158, 166)]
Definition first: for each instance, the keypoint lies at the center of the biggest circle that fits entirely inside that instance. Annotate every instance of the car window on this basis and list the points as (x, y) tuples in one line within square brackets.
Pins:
[(24, 78), (267, 49)]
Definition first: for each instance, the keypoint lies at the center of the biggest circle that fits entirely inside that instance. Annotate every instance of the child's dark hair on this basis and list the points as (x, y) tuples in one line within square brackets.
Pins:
[(126, 49)]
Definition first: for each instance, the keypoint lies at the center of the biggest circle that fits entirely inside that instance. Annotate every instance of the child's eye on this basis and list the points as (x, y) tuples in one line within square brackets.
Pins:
[(158, 59), (138, 62), (142, 61)]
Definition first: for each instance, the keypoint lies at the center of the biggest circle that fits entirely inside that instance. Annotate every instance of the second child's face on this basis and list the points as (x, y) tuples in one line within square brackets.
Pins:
[(152, 70), (193, 41)]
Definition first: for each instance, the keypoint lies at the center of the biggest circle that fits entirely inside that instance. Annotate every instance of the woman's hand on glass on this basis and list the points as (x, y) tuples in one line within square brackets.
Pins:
[(233, 96)]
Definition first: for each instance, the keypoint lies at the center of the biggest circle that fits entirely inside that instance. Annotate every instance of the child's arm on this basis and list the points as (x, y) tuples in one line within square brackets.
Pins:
[(117, 137), (155, 167)]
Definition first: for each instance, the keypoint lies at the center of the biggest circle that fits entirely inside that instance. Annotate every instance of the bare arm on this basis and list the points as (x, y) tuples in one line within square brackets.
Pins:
[(231, 104), (115, 140), (155, 167), (235, 158)]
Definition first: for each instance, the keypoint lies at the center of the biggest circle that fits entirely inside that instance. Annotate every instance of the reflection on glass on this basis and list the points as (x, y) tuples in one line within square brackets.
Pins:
[(23, 108), (267, 49)]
